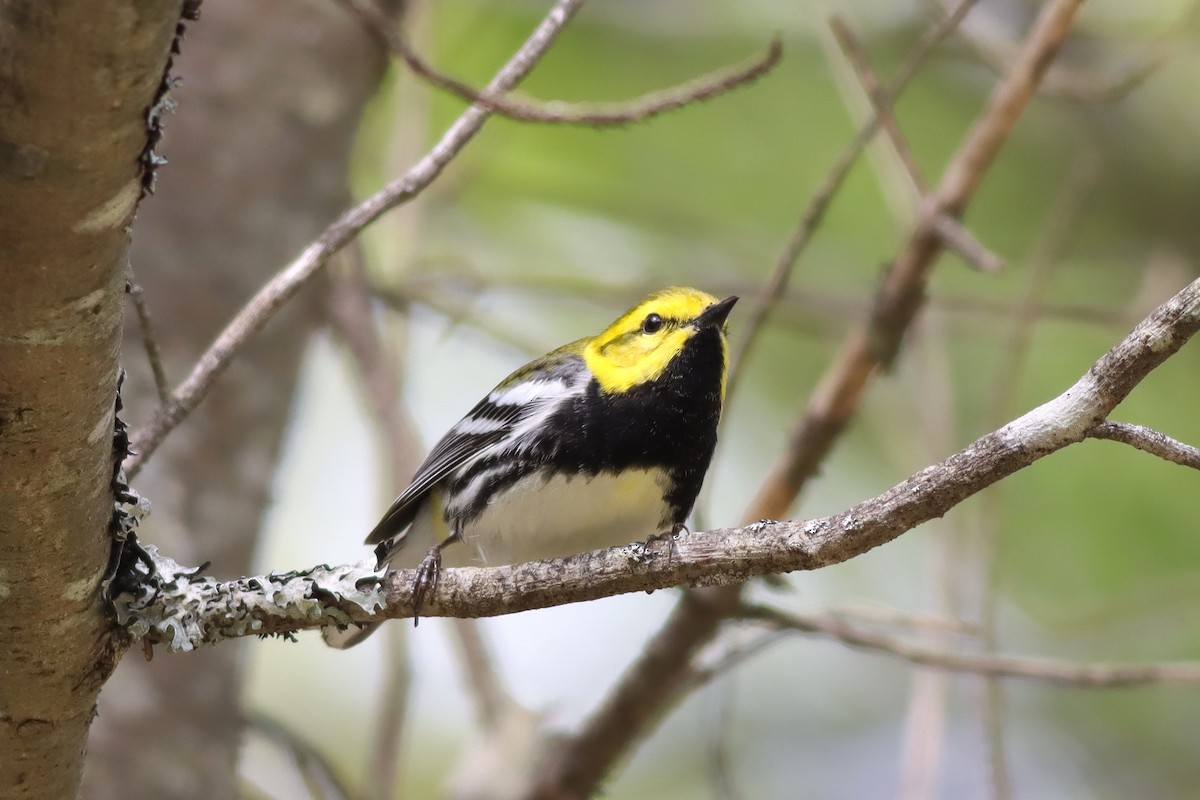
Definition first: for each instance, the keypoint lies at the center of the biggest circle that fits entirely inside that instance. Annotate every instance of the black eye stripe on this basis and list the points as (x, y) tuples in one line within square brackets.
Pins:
[(652, 323)]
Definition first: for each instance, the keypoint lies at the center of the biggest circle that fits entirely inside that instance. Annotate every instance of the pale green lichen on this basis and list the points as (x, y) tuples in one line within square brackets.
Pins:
[(184, 611)]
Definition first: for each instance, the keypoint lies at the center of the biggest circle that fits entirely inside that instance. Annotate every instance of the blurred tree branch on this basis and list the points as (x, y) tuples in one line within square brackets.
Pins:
[(596, 115), (992, 665), (818, 204), (286, 283)]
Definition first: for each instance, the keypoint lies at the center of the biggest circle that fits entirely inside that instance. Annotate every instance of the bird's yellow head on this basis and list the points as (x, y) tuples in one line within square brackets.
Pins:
[(639, 346)]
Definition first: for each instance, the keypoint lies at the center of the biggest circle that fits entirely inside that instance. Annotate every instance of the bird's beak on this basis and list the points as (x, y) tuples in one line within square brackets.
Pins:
[(714, 316)]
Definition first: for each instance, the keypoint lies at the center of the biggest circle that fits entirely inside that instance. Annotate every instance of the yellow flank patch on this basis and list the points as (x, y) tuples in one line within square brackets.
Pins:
[(625, 354)]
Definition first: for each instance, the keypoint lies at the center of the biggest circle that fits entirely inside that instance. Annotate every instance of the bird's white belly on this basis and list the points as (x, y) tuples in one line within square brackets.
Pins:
[(550, 517)]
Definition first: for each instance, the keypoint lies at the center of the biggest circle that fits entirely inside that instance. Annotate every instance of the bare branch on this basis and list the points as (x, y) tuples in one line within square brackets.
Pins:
[(391, 715), (881, 99), (818, 204), (996, 52), (733, 656), (810, 310), (185, 611), (1148, 440), (954, 235), (963, 242), (719, 760), (487, 691), (349, 305), (885, 615), (595, 115), (287, 282), (996, 666), (318, 775), (153, 354), (873, 347), (461, 313)]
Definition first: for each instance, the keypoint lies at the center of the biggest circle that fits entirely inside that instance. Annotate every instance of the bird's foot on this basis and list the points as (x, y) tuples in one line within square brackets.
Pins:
[(427, 580)]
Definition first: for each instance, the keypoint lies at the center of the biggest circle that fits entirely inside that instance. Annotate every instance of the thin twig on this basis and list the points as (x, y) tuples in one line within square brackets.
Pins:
[(263, 306), (153, 353), (458, 312), (733, 656), (352, 321), (880, 99), (873, 347), (957, 238), (595, 115), (317, 773), (886, 615), (935, 416), (954, 235), (818, 204), (1065, 82), (383, 766), (1061, 220), (1088, 676), (349, 305), (720, 761), (1149, 441), (924, 735), (487, 691), (806, 309)]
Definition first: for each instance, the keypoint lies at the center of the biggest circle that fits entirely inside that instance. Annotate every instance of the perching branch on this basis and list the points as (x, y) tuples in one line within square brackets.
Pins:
[(185, 611)]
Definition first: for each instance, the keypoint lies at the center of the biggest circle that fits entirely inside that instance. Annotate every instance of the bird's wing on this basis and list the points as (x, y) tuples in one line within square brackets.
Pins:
[(508, 413)]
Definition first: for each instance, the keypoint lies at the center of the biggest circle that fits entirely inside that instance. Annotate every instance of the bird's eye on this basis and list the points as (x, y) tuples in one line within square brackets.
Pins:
[(652, 323)]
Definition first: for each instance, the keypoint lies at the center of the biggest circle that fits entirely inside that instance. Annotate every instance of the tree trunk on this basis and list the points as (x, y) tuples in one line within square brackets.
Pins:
[(76, 81), (258, 150)]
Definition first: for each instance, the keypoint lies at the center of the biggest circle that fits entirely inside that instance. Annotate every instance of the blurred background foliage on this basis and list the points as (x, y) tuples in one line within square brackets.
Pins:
[(539, 234)]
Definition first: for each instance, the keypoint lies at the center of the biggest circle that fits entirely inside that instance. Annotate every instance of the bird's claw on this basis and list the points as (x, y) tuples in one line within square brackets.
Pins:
[(427, 580)]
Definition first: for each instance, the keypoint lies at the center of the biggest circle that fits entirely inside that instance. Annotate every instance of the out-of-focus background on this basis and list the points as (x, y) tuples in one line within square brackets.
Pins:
[(539, 234)]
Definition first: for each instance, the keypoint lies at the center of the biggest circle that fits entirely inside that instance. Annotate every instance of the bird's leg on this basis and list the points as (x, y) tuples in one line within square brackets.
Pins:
[(429, 572)]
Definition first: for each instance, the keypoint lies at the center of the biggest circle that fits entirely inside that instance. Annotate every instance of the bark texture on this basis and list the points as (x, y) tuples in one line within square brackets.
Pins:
[(76, 81), (268, 106)]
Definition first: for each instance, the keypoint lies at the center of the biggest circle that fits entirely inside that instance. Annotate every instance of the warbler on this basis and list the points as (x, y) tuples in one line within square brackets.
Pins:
[(602, 442)]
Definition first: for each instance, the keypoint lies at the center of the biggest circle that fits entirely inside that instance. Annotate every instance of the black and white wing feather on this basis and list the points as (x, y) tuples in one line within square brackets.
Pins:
[(510, 413)]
